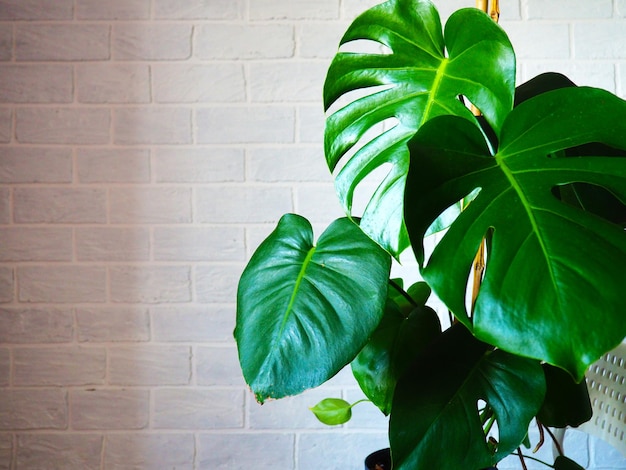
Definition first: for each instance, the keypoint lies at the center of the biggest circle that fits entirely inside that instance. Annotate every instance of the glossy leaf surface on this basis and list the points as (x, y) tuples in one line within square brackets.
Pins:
[(554, 283), (414, 82), (395, 343), (304, 311), (435, 421)]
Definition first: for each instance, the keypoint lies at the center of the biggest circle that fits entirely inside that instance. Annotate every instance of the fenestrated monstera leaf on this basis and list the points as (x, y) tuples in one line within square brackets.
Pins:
[(436, 417), (554, 282), (420, 82), (304, 311)]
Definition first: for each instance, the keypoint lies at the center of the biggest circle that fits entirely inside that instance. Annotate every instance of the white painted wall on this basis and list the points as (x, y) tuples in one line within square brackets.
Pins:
[(146, 147)]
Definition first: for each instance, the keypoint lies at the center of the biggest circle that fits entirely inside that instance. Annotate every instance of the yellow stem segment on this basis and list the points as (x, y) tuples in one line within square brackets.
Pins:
[(479, 261)]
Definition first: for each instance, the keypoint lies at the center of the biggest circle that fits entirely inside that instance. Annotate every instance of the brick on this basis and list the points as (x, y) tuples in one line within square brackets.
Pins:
[(69, 451), (587, 73), (218, 366), (61, 284), (137, 41), (319, 40), (62, 125), (36, 9), (293, 81), (7, 284), (180, 408), (113, 83), (113, 10), (352, 8), (33, 409), (217, 283), (199, 9), (25, 164), (23, 325), (149, 365), (117, 165), (5, 205), (149, 205), (568, 9), (5, 378), (198, 165), (318, 203), (61, 42), (294, 9), (311, 124), (343, 449), (193, 324), (224, 451), (183, 83), (235, 41), (271, 165), (198, 244), (620, 8), (112, 324), (238, 204), (6, 451), (542, 40), (59, 205), (245, 125), (144, 451), (109, 409), (60, 366), (35, 244), (600, 40), (150, 284), (6, 125), (6, 43), (152, 126), (112, 244), (35, 83), (273, 412)]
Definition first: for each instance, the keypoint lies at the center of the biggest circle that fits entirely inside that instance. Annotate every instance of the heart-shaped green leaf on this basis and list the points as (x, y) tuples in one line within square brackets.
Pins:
[(435, 419), (395, 343), (333, 411), (419, 81), (554, 283), (304, 311)]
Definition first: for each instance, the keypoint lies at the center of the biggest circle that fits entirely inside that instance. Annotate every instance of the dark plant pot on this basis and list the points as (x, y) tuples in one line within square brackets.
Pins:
[(379, 460)]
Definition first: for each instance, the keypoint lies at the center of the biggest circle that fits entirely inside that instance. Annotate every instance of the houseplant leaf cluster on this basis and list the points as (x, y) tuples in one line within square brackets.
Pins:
[(537, 180)]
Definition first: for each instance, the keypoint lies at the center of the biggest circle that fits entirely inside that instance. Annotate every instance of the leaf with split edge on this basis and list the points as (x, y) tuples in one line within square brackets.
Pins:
[(436, 404), (552, 267), (304, 311), (397, 340), (419, 82)]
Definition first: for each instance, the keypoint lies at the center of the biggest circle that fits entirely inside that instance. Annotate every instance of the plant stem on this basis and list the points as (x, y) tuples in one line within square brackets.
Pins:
[(402, 292), (518, 453)]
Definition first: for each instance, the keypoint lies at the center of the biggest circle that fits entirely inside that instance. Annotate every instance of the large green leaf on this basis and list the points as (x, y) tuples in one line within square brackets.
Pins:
[(419, 82), (304, 311), (400, 336), (436, 421), (566, 403), (554, 283)]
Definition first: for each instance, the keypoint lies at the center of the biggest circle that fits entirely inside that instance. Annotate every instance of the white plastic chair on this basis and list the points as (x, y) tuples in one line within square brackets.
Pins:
[(606, 381)]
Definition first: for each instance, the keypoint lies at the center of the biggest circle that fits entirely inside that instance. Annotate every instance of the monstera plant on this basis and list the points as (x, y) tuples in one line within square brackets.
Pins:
[(527, 194)]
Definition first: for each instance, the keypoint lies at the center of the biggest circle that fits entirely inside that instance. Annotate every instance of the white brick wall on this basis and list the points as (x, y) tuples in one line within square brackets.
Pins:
[(146, 148)]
